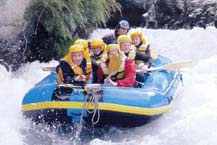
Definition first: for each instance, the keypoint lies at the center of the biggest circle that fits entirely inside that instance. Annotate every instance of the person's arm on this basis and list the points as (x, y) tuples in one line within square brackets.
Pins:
[(109, 39), (147, 51), (86, 71), (139, 56), (145, 58), (67, 72), (130, 75)]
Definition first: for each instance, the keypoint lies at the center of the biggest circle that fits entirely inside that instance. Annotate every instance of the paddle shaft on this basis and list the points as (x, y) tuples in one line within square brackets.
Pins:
[(171, 66)]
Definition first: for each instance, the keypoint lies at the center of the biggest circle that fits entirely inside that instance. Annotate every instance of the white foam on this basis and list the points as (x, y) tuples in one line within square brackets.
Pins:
[(191, 121)]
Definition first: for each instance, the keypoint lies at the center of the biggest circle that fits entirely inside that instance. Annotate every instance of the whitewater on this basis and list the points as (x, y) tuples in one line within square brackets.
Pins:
[(191, 120)]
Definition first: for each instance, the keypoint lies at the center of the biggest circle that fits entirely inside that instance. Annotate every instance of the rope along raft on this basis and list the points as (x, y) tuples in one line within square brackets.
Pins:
[(93, 95)]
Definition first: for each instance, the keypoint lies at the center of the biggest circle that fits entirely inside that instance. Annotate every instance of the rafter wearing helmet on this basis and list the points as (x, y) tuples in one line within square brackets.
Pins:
[(121, 28), (73, 68), (141, 44), (124, 74), (97, 49)]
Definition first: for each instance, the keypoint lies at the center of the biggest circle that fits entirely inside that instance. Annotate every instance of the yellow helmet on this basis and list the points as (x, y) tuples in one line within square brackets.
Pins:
[(98, 43), (76, 48), (112, 47), (138, 33), (124, 38), (135, 33), (82, 42)]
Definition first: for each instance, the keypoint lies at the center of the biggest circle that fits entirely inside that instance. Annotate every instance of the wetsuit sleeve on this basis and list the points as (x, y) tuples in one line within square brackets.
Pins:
[(94, 63), (67, 72), (109, 39), (139, 56), (105, 39), (130, 75), (147, 51)]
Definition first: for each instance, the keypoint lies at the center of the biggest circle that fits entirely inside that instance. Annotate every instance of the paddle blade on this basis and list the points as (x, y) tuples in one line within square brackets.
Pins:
[(175, 65), (178, 65), (114, 64), (47, 68)]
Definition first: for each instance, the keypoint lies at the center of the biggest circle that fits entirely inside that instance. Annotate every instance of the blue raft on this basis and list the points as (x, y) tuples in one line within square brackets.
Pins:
[(103, 105)]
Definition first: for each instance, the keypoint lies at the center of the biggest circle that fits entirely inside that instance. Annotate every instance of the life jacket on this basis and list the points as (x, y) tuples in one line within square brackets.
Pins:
[(77, 70), (131, 54), (88, 65), (120, 73), (97, 58), (142, 48)]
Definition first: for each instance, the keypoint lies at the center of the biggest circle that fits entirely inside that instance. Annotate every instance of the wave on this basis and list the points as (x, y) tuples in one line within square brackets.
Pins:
[(192, 119)]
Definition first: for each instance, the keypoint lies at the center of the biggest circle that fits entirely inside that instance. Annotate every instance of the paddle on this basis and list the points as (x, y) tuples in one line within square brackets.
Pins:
[(170, 66), (49, 68), (114, 65)]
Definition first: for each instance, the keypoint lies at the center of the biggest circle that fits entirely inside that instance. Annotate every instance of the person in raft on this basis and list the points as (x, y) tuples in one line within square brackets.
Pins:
[(124, 73), (125, 44), (85, 45), (142, 46), (97, 51), (73, 68), (122, 28)]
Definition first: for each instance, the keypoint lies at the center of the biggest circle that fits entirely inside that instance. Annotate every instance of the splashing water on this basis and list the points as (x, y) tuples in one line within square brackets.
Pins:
[(191, 121)]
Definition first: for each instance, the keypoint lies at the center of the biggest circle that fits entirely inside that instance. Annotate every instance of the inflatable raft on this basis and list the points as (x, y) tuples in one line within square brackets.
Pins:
[(103, 105)]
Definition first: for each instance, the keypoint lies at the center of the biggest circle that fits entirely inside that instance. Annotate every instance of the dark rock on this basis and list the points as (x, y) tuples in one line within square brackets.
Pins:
[(167, 14), (215, 23), (132, 11), (27, 43), (11, 55), (39, 44)]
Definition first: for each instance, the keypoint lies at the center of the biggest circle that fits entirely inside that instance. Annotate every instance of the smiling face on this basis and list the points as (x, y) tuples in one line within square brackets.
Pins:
[(96, 51), (113, 52), (125, 47), (136, 40), (77, 57)]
